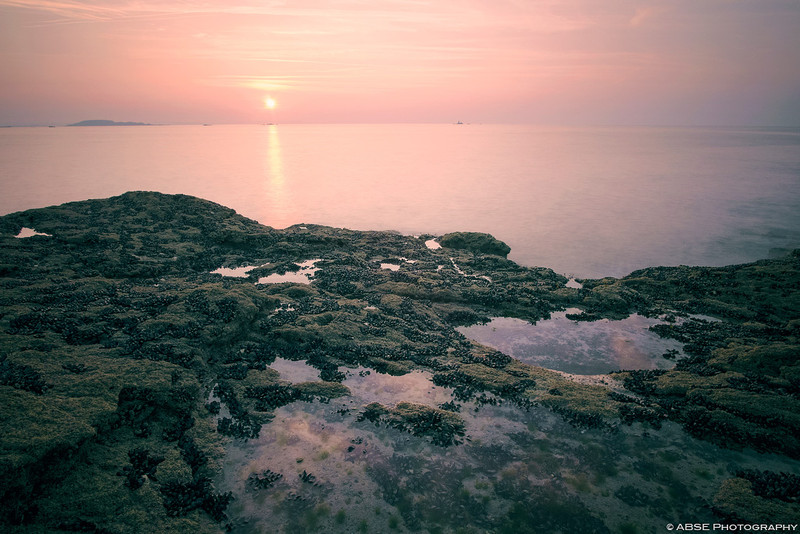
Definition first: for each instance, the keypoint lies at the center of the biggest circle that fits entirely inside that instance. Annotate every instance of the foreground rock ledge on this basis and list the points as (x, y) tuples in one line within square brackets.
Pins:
[(113, 332)]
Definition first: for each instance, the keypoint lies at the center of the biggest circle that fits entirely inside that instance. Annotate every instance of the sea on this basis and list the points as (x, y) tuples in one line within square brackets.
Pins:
[(586, 202)]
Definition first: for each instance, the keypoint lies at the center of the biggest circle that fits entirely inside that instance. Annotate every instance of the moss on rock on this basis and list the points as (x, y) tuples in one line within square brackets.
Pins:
[(475, 242)]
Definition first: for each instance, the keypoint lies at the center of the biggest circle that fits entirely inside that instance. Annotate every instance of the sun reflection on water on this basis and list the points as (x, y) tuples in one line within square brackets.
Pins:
[(277, 195)]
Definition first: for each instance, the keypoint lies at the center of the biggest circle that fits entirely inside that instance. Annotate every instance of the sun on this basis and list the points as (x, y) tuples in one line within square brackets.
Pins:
[(269, 102)]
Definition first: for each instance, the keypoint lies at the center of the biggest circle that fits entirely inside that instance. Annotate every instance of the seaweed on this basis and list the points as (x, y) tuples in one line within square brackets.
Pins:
[(263, 480), (21, 376), (180, 498), (771, 485), (273, 396), (441, 427), (142, 465)]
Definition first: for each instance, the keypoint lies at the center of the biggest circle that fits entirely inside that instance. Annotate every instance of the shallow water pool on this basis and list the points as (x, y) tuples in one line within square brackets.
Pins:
[(578, 347)]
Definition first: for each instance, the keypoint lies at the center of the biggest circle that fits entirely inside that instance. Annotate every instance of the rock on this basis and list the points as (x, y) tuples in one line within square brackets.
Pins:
[(475, 242)]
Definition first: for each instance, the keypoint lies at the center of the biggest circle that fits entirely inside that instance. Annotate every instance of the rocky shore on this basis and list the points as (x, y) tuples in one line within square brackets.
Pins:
[(115, 334)]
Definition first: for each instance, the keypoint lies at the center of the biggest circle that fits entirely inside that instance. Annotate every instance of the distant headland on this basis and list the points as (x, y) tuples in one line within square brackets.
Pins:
[(101, 122)]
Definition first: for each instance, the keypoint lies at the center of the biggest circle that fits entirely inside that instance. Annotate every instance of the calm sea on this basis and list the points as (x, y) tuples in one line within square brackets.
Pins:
[(585, 201)]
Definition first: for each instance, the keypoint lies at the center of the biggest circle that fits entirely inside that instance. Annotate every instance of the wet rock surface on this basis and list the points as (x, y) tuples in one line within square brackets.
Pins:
[(475, 242), (118, 345)]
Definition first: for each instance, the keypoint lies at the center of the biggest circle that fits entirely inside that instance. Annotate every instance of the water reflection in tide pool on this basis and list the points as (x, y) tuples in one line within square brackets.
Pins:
[(301, 276), (295, 370), (517, 470), (344, 475), (368, 386), (578, 347), (30, 232)]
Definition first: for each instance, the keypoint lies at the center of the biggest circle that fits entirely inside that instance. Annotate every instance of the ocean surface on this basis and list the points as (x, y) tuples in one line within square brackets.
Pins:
[(587, 202)]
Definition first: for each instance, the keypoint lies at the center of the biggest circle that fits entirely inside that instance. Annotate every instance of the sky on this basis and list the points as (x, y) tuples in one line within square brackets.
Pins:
[(556, 62)]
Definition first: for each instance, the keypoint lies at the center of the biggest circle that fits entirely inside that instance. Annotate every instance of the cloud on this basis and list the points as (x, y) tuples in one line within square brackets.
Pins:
[(66, 9), (645, 13), (542, 17)]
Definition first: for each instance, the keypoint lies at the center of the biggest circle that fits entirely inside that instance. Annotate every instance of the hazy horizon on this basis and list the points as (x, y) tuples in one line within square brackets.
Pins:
[(571, 63), (458, 123)]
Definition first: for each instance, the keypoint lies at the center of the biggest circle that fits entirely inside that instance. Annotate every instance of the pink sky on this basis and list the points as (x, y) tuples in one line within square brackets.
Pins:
[(576, 62)]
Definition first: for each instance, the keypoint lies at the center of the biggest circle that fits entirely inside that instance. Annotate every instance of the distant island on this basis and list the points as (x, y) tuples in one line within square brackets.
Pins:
[(100, 122)]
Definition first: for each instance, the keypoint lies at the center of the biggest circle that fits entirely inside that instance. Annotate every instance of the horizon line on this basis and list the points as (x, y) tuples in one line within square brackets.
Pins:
[(455, 123)]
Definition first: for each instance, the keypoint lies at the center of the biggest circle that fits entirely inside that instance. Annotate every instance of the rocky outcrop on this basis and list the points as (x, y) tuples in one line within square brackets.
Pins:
[(475, 242), (114, 332)]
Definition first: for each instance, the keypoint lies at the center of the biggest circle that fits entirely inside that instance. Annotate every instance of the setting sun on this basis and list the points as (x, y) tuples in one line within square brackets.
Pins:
[(269, 103)]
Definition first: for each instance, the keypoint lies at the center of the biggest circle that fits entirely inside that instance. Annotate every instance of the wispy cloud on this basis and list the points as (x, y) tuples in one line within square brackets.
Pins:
[(627, 50), (102, 10), (453, 15), (69, 10)]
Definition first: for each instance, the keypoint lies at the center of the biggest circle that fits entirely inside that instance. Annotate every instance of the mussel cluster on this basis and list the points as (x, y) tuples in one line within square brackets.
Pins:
[(263, 480)]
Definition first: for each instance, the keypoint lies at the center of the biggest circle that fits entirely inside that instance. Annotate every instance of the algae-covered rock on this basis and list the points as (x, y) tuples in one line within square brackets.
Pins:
[(736, 501), (441, 427), (475, 242), (117, 343)]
